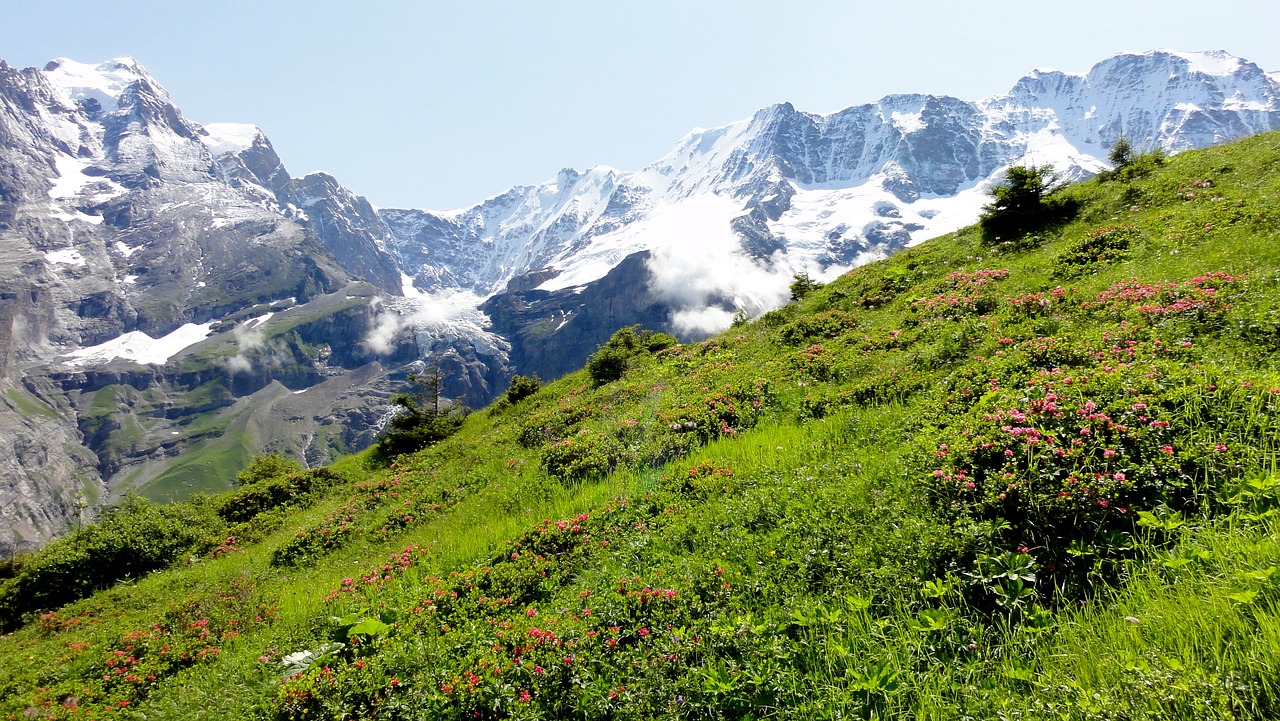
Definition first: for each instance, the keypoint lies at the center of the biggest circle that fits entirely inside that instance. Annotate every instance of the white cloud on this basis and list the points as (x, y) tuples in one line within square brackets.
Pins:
[(248, 336), (239, 364), (696, 279), (698, 322), (443, 316), (381, 339)]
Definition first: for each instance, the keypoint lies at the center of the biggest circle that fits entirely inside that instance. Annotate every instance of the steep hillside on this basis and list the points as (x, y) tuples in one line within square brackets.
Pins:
[(1027, 478)]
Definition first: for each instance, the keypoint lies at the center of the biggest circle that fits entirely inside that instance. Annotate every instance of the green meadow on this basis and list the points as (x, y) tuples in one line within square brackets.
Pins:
[(1028, 477)]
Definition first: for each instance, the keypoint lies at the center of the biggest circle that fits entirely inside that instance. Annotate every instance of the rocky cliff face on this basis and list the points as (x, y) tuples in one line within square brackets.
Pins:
[(138, 277), (553, 332)]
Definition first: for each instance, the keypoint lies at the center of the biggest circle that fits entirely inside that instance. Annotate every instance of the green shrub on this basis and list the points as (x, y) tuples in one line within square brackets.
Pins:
[(522, 387), (407, 433), (872, 286), (294, 489), (267, 467), (130, 540), (831, 324), (613, 358), (1104, 245), (307, 545), (582, 456)]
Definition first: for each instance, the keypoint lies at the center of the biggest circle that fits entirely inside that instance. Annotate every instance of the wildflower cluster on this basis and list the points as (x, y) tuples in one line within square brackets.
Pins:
[(376, 509), (368, 583), (1066, 455), (964, 294), (115, 673), (507, 645), (1195, 299)]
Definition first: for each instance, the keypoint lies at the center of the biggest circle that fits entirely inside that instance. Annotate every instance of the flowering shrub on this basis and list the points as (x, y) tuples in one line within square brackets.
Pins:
[(308, 544), (1197, 299), (715, 413), (829, 324), (891, 386), (552, 425), (964, 294), (375, 579), (1068, 456), (120, 671), (510, 649), (1109, 244), (584, 455), (815, 361)]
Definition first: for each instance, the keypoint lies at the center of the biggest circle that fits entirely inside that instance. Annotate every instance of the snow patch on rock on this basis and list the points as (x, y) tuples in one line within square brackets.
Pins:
[(65, 256), (229, 137), (141, 348)]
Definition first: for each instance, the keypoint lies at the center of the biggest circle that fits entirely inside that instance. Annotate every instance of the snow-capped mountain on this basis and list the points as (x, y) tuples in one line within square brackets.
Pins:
[(160, 280), (824, 192), (167, 285)]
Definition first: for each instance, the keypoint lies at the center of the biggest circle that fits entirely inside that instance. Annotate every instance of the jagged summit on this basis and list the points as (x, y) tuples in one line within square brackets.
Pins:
[(103, 83), (808, 185)]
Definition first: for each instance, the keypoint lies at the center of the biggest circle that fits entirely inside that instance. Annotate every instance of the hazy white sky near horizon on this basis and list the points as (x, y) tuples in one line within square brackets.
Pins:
[(439, 105)]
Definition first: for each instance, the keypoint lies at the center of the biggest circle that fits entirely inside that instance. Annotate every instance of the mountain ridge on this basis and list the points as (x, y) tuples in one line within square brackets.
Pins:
[(782, 140)]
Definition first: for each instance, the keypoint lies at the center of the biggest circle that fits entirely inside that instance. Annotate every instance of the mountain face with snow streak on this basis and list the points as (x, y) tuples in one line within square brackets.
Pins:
[(164, 287), (167, 286)]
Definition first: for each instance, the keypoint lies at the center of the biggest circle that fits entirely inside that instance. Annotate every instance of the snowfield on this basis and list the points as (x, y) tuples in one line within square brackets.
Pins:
[(141, 348)]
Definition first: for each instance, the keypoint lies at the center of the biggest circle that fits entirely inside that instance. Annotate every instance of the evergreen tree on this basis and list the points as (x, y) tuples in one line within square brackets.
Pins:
[(1018, 205), (421, 421), (802, 284), (1121, 155)]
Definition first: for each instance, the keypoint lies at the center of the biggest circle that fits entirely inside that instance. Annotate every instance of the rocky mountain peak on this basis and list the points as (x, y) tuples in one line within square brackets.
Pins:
[(101, 86)]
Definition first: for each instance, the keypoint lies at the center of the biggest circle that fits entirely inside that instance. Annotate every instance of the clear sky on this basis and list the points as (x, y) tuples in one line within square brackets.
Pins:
[(439, 105)]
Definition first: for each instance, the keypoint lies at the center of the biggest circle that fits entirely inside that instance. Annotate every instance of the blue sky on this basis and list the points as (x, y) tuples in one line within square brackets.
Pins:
[(439, 105)]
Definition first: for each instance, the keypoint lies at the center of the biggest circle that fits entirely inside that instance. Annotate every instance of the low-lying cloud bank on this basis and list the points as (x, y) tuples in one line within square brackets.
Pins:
[(441, 316)]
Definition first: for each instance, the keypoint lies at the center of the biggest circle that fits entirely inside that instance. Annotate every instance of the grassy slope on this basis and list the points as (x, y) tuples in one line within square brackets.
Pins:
[(805, 517)]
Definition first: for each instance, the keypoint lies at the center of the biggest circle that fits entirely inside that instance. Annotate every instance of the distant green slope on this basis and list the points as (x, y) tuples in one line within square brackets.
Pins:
[(1036, 479)]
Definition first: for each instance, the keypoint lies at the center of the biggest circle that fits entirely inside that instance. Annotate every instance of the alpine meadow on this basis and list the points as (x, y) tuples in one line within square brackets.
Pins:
[(1026, 470)]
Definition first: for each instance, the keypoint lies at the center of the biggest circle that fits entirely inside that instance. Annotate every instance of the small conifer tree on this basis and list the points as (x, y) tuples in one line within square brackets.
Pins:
[(422, 420), (1121, 155), (802, 284), (1019, 205)]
